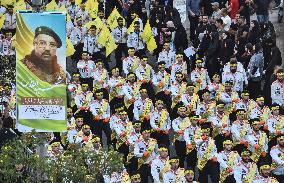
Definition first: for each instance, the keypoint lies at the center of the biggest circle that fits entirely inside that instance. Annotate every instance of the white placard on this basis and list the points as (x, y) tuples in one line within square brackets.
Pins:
[(50, 112)]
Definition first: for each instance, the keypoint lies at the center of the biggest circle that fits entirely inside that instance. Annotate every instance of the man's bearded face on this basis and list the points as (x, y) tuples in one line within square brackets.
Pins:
[(45, 47)]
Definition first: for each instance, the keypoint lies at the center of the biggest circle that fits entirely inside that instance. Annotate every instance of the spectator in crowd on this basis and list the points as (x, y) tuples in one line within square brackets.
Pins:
[(255, 71), (262, 8), (194, 10)]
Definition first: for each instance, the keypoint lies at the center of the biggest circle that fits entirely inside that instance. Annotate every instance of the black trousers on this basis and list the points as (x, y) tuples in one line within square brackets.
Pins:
[(219, 142), (121, 49), (130, 112), (193, 25), (191, 159), (124, 149), (230, 179), (98, 127), (180, 147), (211, 168), (132, 165), (254, 88), (145, 172)]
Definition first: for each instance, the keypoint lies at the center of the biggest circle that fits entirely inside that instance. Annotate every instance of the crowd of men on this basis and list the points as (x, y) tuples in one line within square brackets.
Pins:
[(218, 111)]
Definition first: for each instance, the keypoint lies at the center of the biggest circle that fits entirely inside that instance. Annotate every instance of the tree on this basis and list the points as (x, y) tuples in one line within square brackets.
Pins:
[(20, 161)]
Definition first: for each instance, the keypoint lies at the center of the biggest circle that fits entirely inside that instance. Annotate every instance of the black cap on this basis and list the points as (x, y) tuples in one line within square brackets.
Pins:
[(50, 32)]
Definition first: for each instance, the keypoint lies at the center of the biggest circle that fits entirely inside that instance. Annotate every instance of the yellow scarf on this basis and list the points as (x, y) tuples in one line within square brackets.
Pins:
[(182, 89), (180, 175), (163, 118), (103, 108), (202, 161), (202, 78), (147, 109), (135, 64), (265, 114), (150, 149), (166, 168), (184, 123), (194, 100), (231, 160), (250, 175), (164, 80), (128, 130), (134, 93), (255, 156), (274, 164), (103, 77), (244, 130), (224, 120), (115, 90), (147, 73)]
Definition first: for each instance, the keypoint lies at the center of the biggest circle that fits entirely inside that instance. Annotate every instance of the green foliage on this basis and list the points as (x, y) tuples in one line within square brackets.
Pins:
[(75, 164)]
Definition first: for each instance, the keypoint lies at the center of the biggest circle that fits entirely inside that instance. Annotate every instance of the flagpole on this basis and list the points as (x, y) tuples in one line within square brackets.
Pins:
[(105, 8)]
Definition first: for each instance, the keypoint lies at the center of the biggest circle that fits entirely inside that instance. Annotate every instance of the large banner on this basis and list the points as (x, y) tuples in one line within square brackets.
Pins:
[(40, 69)]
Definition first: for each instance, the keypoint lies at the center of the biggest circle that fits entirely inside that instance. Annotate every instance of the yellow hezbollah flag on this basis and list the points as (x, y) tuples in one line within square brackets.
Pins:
[(112, 19), (106, 39), (7, 2), (131, 27), (89, 24), (78, 2), (2, 20), (97, 22), (148, 36), (52, 6), (93, 7), (69, 48), (20, 5)]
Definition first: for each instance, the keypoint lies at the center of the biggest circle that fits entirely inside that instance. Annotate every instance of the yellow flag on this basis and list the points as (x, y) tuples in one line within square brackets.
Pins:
[(92, 6), (52, 6), (69, 48), (7, 2), (131, 27), (89, 24), (78, 2), (20, 5), (106, 39), (103, 35), (2, 20), (112, 19), (98, 22), (148, 37), (63, 9)]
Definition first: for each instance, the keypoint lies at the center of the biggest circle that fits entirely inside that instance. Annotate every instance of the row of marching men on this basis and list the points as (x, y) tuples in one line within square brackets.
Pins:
[(170, 81), (249, 124), (244, 155), (172, 108)]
